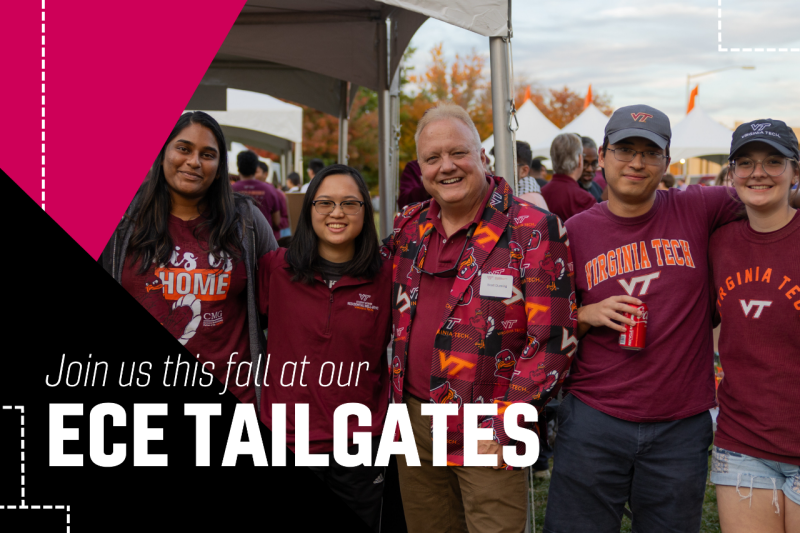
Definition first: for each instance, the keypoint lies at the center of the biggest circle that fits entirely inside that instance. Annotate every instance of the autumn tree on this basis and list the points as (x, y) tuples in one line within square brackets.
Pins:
[(561, 106), (462, 82)]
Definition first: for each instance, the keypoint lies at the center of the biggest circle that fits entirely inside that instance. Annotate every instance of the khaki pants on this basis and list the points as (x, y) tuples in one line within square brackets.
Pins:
[(456, 499)]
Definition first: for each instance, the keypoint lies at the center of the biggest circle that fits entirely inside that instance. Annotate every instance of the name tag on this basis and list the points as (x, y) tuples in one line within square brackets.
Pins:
[(496, 285)]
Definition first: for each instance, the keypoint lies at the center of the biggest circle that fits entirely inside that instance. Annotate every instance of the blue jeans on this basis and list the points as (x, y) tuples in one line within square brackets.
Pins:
[(601, 462)]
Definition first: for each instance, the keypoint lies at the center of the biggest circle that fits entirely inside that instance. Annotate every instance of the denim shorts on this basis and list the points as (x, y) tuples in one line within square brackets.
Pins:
[(746, 472)]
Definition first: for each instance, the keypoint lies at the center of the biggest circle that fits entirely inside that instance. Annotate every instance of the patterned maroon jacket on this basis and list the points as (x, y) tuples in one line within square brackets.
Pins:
[(490, 349)]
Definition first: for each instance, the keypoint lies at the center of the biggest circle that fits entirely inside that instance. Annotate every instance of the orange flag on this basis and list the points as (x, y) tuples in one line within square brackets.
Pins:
[(691, 100), (527, 94), (588, 97)]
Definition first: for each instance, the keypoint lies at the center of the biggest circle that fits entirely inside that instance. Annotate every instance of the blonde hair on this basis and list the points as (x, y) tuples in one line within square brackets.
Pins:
[(445, 110), (566, 152)]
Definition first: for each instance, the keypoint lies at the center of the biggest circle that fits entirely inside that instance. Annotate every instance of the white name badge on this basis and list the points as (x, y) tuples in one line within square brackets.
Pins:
[(496, 285)]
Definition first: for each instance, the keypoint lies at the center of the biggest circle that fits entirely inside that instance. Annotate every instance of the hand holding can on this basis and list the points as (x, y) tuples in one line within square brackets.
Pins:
[(634, 336)]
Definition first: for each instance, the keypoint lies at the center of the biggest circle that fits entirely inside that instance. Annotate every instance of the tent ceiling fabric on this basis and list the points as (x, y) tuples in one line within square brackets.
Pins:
[(700, 135), (485, 17), (304, 51), (300, 86), (260, 120)]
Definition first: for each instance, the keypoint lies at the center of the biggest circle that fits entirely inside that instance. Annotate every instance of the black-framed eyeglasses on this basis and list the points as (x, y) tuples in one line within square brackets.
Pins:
[(774, 165), (593, 164), (326, 207), (626, 155), (453, 270)]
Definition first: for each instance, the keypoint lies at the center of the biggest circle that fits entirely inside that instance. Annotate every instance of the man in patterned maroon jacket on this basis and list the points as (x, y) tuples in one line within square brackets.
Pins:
[(458, 340)]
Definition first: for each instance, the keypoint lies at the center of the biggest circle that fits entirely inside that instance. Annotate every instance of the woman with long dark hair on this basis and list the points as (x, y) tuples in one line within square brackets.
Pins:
[(187, 248), (756, 279), (328, 301)]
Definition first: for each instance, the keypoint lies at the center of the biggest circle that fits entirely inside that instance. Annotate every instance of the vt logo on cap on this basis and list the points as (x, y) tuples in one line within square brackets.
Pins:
[(641, 117), (760, 127)]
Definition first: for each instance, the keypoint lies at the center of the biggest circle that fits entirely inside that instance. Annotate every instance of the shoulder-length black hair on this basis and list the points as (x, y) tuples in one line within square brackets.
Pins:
[(303, 255), (151, 241)]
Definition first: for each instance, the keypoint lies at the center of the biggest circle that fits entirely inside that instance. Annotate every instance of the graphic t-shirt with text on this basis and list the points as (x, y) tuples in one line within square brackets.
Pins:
[(201, 300)]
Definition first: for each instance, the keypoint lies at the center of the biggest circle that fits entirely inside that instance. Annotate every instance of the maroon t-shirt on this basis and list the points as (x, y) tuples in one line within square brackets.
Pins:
[(756, 280), (201, 300), (434, 291), (264, 195), (660, 258), (566, 198)]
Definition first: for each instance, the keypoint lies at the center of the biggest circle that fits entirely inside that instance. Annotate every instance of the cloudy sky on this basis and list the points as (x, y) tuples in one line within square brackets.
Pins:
[(640, 52)]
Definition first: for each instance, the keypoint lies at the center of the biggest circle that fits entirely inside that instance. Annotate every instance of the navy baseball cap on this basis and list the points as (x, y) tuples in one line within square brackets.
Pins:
[(772, 132), (639, 121)]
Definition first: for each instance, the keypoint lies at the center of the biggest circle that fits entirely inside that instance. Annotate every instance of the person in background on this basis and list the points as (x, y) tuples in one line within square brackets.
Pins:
[(411, 189), (263, 194), (755, 265), (187, 249), (667, 182), (283, 228), (634, 426), (538, 172), (529, 189), (314, 166), (294, 182), (590, 169), (724, 179), (563, 195), (681, 183), (333, 277)]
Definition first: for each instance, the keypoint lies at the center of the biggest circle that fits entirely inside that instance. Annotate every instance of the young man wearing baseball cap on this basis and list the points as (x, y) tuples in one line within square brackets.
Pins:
[(635, 425)]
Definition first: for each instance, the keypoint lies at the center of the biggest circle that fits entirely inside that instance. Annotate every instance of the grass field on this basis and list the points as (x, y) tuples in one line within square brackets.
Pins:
[(709, 523)]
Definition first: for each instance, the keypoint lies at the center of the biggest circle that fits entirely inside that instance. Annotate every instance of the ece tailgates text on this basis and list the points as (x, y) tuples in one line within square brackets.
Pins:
[(244, 437)]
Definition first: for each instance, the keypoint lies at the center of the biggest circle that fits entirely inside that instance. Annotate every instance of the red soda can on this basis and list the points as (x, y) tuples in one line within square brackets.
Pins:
[(634, 336)]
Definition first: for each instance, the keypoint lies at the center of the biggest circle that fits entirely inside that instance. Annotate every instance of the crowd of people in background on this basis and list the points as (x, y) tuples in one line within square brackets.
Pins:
[(608, 241)]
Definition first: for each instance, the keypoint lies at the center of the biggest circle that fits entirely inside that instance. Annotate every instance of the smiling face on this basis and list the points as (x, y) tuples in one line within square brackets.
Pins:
[(337, 232), (191, 162), (760, 191), (632, 182), (452, 164)]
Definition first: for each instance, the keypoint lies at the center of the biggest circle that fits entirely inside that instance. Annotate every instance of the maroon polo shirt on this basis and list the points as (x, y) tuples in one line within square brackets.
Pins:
[(566, 198), (442, 253)]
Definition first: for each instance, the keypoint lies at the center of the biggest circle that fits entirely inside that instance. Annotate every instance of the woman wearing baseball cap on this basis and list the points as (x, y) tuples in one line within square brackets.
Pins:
[(756, 282)]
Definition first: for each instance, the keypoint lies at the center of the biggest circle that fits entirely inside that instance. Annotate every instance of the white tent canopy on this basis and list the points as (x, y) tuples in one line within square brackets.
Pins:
[(485, 17), (699, 135), (590, 123), (260, 120), (534, 128)]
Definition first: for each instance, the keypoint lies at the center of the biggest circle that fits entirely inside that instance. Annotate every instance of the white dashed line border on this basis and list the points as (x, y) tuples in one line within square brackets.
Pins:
[(43, 106), (23, 505), (720, 48)]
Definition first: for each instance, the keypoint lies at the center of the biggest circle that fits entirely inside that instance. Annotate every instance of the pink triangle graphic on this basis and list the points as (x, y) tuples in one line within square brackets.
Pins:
[(93, 92)]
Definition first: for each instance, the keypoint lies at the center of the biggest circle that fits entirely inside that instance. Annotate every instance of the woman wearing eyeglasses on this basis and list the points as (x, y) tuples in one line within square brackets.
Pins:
[(756, 280), (327, 298)]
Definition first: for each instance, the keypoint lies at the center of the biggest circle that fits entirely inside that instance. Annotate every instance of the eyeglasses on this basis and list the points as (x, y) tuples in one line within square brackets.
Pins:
[(626, 155), (774, 165), (453, 270), (326, 207), (593, 164)]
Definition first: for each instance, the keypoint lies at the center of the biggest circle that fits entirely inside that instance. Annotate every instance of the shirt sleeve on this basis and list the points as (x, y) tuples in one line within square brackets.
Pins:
[(722, 205), (543, 363), (264, 236)]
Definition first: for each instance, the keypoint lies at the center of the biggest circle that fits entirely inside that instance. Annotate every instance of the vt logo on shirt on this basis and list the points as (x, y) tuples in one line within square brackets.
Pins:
[(758, 304)]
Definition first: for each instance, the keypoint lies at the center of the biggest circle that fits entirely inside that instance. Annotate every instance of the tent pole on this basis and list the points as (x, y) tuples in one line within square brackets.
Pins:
[(386, 186), (344, 119), (298, 158), (504, 152), (394, 148)]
